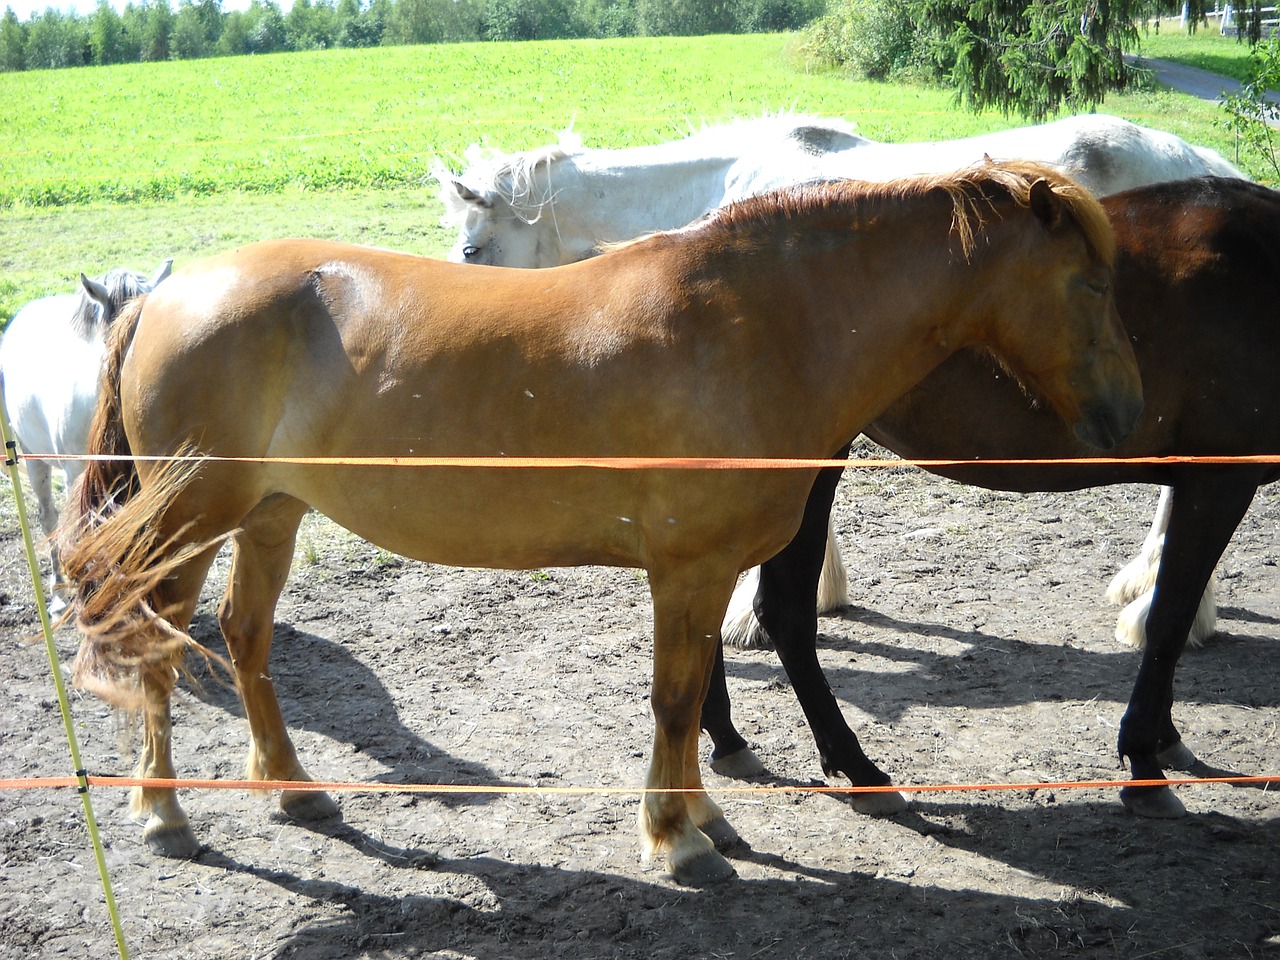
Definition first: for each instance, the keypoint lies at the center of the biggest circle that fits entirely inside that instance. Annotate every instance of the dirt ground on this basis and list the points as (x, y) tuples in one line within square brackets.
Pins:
[(979, 650)]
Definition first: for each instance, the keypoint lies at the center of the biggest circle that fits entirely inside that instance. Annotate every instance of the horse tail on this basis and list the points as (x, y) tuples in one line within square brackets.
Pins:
[(113, 553), (107, 482)]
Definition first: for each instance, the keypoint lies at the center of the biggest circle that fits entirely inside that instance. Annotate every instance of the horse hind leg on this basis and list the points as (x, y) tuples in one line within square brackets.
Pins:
[(262, 554), (166, 831)]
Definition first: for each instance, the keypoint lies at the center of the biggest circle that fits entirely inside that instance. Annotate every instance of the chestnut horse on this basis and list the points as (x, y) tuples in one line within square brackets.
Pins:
[(777, 328), (1194, 283)]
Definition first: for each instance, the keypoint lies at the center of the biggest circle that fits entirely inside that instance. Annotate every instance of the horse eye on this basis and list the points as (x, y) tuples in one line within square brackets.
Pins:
[(470, 251)]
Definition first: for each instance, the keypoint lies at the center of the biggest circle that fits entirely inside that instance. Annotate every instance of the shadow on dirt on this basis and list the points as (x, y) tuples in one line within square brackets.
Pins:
[(324, 688), (1226, 879)]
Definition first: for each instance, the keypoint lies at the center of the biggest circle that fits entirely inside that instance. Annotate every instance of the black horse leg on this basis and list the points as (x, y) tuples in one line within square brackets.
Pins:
[(730, 755), (785, 605), (1208, 505)]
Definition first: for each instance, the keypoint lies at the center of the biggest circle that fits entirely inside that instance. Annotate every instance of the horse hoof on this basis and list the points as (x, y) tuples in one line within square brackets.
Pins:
[(1177, 757), (878, 804), (308, 805), (704, 870), (175, 843), (720, 833), (739, 765), (1156, 802)]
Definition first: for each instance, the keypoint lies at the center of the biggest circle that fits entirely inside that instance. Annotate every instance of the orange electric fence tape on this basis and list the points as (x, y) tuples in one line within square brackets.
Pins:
[(673, 463), (30, 783)]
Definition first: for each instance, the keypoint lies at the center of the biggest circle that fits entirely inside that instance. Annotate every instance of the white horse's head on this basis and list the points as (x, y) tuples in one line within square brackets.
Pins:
[(503, 205), (105, 296)]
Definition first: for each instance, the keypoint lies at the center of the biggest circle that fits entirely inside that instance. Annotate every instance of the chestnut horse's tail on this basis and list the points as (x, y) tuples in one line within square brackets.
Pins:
[(112, 551)]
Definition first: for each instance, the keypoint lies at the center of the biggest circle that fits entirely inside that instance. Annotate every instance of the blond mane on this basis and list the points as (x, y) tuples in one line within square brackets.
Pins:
[(971, 190)]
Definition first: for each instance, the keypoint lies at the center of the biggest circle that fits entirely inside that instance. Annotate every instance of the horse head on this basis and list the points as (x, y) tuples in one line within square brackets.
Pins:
[(1077, 356), (503, 205), (104, 297)]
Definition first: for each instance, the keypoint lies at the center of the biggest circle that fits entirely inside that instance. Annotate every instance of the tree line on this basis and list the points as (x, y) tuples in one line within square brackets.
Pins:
[(150, 30)]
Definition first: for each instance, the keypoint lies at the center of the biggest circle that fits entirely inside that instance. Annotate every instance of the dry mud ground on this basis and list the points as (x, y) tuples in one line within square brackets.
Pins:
[(979, 650)]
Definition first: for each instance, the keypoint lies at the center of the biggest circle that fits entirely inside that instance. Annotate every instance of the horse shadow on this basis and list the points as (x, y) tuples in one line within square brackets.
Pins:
[(345, 702), (490, 908)]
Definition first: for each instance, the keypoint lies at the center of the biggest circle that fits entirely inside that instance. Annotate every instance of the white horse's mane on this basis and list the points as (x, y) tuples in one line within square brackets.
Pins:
[(491, 175)]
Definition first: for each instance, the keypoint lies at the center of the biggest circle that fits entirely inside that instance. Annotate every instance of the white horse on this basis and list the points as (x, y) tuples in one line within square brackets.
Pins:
[(50, 361), (563, 203)]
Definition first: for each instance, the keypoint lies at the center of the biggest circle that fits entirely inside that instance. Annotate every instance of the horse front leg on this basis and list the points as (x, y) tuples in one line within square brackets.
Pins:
[(40, 475), (1207, 506), (677, 818), (263, 552), (785, 605)]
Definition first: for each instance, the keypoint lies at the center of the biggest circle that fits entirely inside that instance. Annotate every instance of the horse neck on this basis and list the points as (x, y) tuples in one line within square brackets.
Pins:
[(622, 194), (851, 325), (88, 320)]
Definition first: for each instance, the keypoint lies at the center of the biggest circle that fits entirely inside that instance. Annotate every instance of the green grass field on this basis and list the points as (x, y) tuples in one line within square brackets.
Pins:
[(128, 165), (1206, 49)]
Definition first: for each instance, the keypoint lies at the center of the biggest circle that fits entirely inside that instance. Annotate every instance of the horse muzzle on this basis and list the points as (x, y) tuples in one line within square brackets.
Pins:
[(1104, 425)]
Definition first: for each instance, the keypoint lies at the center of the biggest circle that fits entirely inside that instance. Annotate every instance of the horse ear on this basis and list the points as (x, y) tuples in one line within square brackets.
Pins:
[(162, 271), (468, 194), (1046, 204), (96, 291)]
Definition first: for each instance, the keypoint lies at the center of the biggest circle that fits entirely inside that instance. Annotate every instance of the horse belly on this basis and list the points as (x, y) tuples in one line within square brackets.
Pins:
[(519, 518)]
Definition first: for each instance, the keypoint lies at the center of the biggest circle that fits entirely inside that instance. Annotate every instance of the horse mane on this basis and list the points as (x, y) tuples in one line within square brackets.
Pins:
[(513, 177), (90, 316), (971, 189)]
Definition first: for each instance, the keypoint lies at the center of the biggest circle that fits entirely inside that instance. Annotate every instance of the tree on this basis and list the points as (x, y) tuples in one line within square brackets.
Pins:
[(265, 28), (106, 35), (685, 18), (55, 40), (1029, 57), (310, 26), (354, 26), (196, 29), (13, 42), (149, 25)]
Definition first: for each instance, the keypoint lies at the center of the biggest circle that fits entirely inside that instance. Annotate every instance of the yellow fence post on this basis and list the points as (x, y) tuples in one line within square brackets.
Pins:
[(11, 462)]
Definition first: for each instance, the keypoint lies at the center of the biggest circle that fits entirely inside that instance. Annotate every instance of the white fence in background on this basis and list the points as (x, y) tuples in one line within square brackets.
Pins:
[(1226, 19)]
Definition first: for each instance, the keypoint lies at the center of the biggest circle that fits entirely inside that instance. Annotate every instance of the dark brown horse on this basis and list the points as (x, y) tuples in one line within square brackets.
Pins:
[(1195, 282), (835, 299)]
